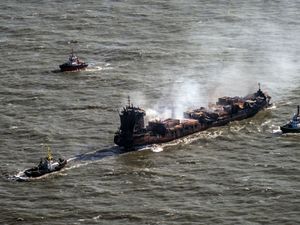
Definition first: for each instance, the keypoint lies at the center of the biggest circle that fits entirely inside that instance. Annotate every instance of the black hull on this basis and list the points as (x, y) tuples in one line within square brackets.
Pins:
[(141, 136), (287, 129), (36, 172), (142, 139), (66, 67), (133, 131), (240, 116)]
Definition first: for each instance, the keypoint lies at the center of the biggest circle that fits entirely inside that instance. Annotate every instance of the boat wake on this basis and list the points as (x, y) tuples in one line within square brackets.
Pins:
[(93, 67), (111, 151), (90, 157), (273, 106), (157, 148), (277, 131), (73, 162)]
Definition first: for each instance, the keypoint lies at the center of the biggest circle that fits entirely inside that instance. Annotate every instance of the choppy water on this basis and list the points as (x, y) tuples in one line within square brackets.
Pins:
[(163, 54)]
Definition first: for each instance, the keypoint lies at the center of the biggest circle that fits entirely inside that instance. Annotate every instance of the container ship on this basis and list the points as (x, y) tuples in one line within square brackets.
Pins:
[(133, 131)]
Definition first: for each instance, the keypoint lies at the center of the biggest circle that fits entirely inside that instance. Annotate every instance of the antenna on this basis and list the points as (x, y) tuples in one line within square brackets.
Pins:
[(49, 153), (298, 108), (128, 100), (258, 86)]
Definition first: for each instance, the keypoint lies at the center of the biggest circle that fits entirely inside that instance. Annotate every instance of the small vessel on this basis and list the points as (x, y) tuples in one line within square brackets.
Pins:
[(46, 165), (133, 132), (73, 64), (293, 126)]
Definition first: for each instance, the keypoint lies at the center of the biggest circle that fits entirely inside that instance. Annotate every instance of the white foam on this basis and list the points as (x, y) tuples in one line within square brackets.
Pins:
[(277, 131), (157, 148)]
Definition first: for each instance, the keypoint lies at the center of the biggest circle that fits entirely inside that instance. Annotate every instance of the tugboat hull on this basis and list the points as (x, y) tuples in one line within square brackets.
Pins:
[(66, 67), (36, 172), (294, 125), (287, 129)]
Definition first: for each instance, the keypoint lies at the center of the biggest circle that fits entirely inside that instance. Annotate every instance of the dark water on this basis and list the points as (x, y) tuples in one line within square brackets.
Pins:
[(163, 54)]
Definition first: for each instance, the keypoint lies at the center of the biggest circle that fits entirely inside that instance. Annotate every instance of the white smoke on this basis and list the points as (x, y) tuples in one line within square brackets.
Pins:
[(181, 95), (235, 54), (187, 94)]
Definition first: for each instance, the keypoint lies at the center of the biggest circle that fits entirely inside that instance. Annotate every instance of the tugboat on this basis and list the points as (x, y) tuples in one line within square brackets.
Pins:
[(73, 64), (293, 126), (133, 132), (45, 166)]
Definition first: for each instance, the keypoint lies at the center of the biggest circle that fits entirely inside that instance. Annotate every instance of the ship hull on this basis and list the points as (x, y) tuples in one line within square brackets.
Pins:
[(157, 139), (133, 131), (147, 138), (241, 115)]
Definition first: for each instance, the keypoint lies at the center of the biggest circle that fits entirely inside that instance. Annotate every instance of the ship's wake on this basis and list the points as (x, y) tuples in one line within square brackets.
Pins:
[(110, 151), (73, 162), (277, 130), (95, 67), (85, 159)]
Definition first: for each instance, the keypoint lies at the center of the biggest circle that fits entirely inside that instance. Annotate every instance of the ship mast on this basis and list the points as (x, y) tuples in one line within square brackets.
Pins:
[(128, 100)]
